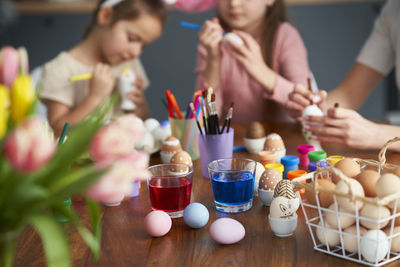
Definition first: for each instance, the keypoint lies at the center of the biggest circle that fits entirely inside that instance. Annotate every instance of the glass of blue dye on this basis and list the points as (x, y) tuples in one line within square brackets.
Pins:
[(232, 182)]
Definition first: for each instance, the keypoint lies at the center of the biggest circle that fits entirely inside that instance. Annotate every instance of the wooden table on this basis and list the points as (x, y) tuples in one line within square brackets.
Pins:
[(126, 243)]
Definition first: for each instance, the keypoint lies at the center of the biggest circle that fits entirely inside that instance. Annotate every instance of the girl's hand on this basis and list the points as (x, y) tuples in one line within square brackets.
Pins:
[(345, 126), (300, 98), (210, 36), (102, 82), (138, 97)]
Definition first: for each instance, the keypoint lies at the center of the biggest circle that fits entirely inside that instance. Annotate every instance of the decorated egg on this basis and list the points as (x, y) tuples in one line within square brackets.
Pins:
[(255, 130), (269, 179), (182, 157), (285, 188), (332, 237), (368, 179), (386, 185), (325, 198), (227, 231), (346, 203), (275, 144), (349, 167), (374, 245), (375, 213), (350, 242), (157, 223), (259, 171), (196, 215), (170, 146), (333, 216), (231, 37), (281, 208)]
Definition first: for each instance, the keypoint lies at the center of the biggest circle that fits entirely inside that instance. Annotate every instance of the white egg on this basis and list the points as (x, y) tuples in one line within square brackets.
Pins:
[(311, 110), (160, 134), (232, 38), (332, 237), (374, 245), (281, 208), (151, 124), (259, 171)]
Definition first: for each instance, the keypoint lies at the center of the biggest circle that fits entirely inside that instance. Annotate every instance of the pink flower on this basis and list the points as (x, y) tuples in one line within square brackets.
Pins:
[(117, 182), (195, 5), (111, 143), (29, 146), (133, 124)]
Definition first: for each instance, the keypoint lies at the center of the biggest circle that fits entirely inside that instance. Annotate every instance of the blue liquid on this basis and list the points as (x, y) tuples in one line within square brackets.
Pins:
[(233, 188)]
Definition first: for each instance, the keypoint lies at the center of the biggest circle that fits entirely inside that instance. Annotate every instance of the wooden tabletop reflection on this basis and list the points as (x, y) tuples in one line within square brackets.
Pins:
[(126, 243)]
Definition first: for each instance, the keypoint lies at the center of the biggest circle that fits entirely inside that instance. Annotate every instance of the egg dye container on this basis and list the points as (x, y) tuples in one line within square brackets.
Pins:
[(289, 163), (316, 155), (277, 166), (213, 147), (298, 173), (135, 189), (185, 130), (303, 150)]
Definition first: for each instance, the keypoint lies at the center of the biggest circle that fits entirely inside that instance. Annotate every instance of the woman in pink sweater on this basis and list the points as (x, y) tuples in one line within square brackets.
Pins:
[(259, 74)]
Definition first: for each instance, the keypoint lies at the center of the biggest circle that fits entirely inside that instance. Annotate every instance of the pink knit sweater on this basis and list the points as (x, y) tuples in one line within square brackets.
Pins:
[(252, 101)]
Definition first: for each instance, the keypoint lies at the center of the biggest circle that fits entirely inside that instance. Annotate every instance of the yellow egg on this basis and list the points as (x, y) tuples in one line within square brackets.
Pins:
[(368, 179), (349, 167)]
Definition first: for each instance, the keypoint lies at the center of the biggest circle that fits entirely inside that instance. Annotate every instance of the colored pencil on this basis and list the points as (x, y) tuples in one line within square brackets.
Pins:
[(175, 106), (169, 105), (197, 121)]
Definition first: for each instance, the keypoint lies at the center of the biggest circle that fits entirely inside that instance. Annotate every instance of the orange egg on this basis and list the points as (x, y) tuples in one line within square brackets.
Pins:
[(349, 167), (368, 179)]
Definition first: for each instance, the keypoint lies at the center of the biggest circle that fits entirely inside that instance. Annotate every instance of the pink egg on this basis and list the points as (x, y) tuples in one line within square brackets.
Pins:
[(9, 65), (157, 223), (227, 231)]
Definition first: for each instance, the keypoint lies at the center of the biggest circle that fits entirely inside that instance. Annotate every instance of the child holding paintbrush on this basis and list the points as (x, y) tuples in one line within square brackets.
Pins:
[(259, 73), (115, 38)]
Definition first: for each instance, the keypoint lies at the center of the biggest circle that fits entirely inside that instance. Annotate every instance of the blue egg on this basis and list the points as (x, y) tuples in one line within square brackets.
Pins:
[(196, 215)]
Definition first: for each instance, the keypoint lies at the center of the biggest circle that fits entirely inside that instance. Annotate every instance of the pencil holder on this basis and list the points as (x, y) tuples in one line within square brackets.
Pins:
[(185, 130), (213, 147)]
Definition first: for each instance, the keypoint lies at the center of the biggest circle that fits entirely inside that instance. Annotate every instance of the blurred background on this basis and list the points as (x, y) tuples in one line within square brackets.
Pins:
[(333, 31)]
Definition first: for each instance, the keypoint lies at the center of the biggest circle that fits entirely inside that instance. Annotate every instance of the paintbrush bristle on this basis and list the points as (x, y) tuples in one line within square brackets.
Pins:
[(213, 97), (192, 107)]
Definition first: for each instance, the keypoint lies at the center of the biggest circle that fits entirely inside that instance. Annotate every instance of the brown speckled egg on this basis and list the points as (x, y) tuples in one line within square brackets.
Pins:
[(182, 157), (274, 143), (368, 180), (269, 179), (171, 145), (285, 188), (349, 167), (255, 131)]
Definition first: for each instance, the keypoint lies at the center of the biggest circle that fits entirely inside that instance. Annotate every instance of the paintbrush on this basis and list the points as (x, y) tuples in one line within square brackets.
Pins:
[(229, 115), (195, 117)]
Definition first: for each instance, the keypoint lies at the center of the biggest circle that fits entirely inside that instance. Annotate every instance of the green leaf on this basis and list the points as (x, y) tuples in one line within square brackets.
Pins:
[(54, 241), (94, 211), (75, 182)]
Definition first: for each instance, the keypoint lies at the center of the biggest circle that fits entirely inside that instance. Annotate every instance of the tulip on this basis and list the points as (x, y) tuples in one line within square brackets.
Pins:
[(4, 105), (29, 147), (22, 97), (117, 181), (133, 124)]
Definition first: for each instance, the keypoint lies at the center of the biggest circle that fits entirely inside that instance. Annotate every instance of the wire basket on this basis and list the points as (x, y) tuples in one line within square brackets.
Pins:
[(348, 238)]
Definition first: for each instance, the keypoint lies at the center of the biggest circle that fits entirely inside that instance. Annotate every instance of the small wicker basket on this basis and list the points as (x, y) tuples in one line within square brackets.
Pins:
[(375, 251)]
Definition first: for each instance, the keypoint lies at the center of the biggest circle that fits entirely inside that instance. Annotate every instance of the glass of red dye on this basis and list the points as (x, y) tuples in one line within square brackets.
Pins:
[(170, 188)]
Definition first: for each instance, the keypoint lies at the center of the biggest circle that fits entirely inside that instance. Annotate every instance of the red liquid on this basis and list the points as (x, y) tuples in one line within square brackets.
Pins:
[(169, 194)]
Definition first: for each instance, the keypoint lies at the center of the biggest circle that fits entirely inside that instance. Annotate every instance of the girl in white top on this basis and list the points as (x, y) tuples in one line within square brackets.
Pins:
[(115, 38), (377, 58)]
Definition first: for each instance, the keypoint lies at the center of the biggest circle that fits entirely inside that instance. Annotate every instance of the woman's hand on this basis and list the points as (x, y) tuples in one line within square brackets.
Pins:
[(137, 96), (210, 36), (300, 98), (347, 127), (102, 83)]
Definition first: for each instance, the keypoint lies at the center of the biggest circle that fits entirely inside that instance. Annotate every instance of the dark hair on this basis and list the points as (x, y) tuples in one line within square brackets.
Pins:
[(131, 9), (275, 15)]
